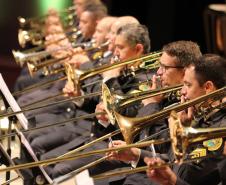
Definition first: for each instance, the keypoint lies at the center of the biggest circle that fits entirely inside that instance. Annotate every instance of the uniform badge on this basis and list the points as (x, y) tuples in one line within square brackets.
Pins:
[(97, 55), (144, 87), (213, 144)]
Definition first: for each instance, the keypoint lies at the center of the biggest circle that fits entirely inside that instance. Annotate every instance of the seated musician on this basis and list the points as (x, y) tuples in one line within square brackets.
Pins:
[(125, 49), (176, 56), (200, 78)]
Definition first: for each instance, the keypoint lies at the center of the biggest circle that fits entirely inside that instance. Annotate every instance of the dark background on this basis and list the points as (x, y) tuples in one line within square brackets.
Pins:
[(167, 21)]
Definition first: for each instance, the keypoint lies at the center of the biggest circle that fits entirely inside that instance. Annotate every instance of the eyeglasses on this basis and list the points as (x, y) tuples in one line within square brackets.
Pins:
[(166, 67)]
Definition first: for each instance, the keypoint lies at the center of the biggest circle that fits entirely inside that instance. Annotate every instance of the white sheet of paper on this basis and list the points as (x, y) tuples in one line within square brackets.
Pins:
[(23, 121), (83, 178), (13, 104)]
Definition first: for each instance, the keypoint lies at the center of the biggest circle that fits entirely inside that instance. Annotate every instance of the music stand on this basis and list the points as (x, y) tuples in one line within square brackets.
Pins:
[(23, 122), (9, 161)]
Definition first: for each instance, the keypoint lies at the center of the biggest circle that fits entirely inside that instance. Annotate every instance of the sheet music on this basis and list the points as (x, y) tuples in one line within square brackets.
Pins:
[(13, 104), (83, 178), (9, 159), (23, 121), (31, 152)]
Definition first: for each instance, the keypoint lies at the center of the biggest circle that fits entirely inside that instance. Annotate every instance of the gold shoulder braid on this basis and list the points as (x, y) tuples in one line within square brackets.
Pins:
[(198, 152)]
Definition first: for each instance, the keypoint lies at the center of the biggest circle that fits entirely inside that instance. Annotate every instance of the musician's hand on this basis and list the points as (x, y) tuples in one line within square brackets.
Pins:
[(69, 89), (53, 38), (155, 85), (113, 72), (128, 155), (78, 50), (163, 176), (224, 152), (100, 108), (186, 116), (55, 28), (65, 43), (61, 54), (78, 59)]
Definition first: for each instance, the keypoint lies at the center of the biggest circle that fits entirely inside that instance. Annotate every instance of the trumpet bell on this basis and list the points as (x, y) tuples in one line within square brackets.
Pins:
[(182, 137), (31, 68), (19, 57), (23, 37), (178, 142), (22, 21), (108, 102)]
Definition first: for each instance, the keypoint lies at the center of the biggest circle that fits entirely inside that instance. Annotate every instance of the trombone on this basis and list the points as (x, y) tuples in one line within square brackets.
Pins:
[(148, 58), (130, 127), (181, 137), (216, 94), (81, 155), (144, 95), (162, 114)]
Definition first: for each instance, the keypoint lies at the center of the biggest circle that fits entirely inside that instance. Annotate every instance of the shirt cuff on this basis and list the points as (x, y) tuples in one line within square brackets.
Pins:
[(79, 102), (105, 124), (105, 79), (134, 163)]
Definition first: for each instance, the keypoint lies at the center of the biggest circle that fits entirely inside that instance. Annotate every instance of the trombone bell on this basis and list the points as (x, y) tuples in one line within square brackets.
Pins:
[(182, 137)]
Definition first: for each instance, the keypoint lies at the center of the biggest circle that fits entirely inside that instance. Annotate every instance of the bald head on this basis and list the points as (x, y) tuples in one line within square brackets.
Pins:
[(102, 29), (121, 21), (107, 22)]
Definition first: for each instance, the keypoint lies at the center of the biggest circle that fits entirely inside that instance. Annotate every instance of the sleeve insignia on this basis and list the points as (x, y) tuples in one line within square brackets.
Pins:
[(213, 144)]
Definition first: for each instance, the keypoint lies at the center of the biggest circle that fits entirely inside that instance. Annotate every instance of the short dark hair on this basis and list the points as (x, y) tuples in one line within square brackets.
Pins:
[(98, 10), (136, 34), (211, 67), (186, 52)]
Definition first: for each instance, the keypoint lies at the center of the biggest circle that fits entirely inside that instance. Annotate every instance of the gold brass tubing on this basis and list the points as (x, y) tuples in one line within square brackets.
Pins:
[(43, 100), (148, 94), (131, 126), (141, 169), (92, 72), (50, 104), (81, 155), (38, 85), (90, 143), (54, 124), (11, 180)]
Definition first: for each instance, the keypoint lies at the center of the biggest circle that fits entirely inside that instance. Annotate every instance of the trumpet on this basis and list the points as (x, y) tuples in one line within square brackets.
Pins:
[(36, 38), (38, 21), (24, 37), (32, 67), (22, 57)]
